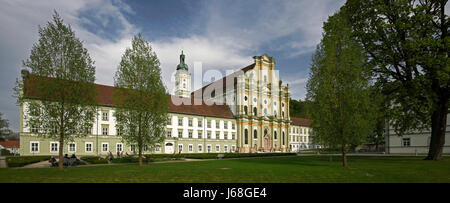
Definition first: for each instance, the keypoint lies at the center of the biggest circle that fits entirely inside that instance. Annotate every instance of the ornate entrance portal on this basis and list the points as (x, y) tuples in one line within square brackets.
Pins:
[(168, 148)]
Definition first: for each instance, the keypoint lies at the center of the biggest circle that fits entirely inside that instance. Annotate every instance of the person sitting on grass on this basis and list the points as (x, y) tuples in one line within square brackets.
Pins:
[(66, 160), (53, 161), (73, 160)]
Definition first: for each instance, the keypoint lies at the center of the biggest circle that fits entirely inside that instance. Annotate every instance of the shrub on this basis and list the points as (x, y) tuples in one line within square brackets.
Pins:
[(19, 161), (94, 160), (5, 152)]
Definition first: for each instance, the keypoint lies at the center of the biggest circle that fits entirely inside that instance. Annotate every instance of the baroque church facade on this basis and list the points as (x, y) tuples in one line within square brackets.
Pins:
[(246, 112)]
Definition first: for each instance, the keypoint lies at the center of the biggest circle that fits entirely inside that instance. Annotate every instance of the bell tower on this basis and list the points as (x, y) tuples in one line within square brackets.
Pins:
[(182, 79)]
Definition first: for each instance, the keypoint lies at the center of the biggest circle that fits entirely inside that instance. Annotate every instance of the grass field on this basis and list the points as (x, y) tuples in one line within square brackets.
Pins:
[(303, 169)]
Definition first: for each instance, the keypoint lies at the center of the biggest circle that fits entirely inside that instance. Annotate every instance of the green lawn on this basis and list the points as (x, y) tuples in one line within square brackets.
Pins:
[(254, 170)]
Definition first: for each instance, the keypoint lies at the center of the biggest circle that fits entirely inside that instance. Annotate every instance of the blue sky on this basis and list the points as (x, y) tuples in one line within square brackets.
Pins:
[(223, 35)]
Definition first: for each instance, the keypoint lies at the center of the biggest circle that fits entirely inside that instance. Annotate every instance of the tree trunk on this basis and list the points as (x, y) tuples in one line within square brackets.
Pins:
[(140, 158), (344, 157), (439, 116), (61, 139), (61, 150), (438, 128)]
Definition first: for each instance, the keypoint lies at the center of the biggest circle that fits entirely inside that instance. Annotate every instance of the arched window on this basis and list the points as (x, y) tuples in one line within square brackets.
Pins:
[(245, 110), (275, 135), (246, 137), (255, 111), (283, 138), (265, 132), (255, 134)]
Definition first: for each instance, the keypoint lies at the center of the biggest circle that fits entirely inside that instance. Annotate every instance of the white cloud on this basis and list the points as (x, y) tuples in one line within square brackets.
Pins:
[(233, 34), (212, 53), (19, 22)]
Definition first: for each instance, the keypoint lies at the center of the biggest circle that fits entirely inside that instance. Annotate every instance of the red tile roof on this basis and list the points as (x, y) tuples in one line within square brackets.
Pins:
[(223, 82), (10, 144), (198, 107), (300, 122), (104, 98)]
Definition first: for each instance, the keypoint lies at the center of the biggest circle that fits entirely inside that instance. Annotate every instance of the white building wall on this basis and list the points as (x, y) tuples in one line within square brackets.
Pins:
[(419, 142)]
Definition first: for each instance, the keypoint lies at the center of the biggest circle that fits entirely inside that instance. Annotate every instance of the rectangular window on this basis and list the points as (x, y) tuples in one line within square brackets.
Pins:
[(119, 147), (233, 148), (119, 132), (209, 124), (209, 135), (88, 147), (225, 125), (72, 147), (200, 148), (233, 126), (180, 121), (169, 133), (34, 147), (133, 148), (217, 124), (180, 148), (34, 128), (406, 142), (105, 129), (157, 148), (191, 148), (54, 128), (225, 148), (209, 148), (199, 123), (233, 136), (88, 130), (105, 147), (180, 134), (190, 122), (217, 148), (53, 147), (105, 115), (225, 136), (199, 135), (190, 135)]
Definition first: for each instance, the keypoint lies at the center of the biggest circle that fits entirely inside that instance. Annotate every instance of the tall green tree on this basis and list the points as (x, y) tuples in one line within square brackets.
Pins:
[(408, 42), (339, 90), (140, 97), (297, 108), (4, 128), (62, 75)]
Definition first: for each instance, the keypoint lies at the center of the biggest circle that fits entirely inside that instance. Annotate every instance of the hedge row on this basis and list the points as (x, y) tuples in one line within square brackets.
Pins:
[(94, 160), (19, 161), (167, 157)]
